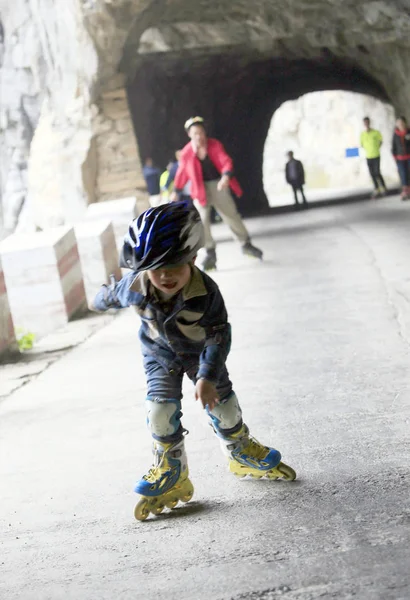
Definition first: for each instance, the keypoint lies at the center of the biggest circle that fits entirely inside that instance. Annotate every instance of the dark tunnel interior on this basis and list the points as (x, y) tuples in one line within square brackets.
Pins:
[(237, 98)]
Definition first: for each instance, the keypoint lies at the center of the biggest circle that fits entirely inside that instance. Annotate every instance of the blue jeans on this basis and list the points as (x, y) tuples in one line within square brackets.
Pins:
[(168, 384), (164, 395), (403, 167)]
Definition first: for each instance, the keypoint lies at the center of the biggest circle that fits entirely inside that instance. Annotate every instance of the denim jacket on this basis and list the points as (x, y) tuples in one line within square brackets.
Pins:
[(192, 331)]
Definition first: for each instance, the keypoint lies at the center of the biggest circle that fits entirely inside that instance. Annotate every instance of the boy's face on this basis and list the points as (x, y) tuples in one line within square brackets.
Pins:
[(170, 280)]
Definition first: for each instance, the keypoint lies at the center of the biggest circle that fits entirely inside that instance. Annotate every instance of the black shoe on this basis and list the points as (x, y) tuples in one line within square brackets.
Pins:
[(209, 261), (251, 250)]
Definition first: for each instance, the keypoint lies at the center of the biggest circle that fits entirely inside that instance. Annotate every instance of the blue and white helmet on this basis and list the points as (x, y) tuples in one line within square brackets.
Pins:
[(167, 235)]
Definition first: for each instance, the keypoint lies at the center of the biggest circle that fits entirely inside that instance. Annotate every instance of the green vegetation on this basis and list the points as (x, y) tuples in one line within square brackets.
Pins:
[(25, 340)]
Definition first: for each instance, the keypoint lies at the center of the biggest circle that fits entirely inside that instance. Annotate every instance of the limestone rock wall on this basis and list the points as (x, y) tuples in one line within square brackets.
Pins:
[(21, 92), (318, 127), (45, 106), (66, 136)]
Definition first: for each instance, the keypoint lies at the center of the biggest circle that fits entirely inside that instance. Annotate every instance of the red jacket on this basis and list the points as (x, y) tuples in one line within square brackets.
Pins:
[(189, 169)]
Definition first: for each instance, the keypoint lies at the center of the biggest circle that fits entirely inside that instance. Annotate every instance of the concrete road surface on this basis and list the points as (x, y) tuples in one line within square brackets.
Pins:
[(321, 364)]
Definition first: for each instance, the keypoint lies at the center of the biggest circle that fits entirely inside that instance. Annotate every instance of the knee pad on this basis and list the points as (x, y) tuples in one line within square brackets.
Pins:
[(226, 417), (164, 418)]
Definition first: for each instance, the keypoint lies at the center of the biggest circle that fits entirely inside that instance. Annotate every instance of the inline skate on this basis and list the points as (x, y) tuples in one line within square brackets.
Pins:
[(166, 483), (248, 457)]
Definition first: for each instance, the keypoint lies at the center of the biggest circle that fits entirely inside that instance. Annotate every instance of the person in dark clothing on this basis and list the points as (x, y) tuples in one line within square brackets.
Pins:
[(173, 170), (185, 195), (295, 176), (152, 175), (401, 153)]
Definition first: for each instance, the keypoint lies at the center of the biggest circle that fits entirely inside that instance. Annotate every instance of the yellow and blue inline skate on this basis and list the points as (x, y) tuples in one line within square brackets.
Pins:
[(166, 483), (248, 457)]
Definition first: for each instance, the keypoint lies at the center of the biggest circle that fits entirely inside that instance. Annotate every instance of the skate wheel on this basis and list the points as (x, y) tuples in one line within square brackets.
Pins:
[(188, 492), (288, 473), (141, 510), (157, 510), (272, 476), (187, 497), (172, 503)]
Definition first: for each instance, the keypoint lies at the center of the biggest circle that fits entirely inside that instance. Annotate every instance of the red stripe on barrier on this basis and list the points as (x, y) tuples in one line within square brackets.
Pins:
[(68, 261)]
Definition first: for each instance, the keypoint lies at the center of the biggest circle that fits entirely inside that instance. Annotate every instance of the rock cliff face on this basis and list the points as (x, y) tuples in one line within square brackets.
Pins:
[(68, 143), (20, 98)]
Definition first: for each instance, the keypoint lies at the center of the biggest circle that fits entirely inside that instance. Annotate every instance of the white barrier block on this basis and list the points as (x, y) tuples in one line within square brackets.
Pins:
[(8, 343), (44, 280), (120, 212), (98, 254)]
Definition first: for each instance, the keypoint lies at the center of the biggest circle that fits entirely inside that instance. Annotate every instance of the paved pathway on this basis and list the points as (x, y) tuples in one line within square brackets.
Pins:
[(321, 363)]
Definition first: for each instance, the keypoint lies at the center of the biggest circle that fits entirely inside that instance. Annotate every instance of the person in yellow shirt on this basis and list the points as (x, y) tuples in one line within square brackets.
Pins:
[(163, 180), (371, 141)]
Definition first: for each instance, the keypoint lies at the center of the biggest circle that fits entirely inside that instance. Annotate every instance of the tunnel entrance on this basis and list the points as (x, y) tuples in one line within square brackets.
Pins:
[(318, 127), (237, 97)]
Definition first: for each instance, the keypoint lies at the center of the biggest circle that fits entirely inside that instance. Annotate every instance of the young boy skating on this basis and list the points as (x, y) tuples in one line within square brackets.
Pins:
[(184, 329)]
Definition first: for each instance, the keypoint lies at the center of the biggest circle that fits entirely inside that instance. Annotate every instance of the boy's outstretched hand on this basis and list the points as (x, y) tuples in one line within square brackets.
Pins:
[(206, 393)]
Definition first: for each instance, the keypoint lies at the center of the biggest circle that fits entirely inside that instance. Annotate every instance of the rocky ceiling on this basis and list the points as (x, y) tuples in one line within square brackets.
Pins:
[(236, 62)]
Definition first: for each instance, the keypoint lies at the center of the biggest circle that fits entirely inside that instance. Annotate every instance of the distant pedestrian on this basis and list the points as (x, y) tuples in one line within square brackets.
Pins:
[(173, 169), (151, 176), (295, 176), (166, 188), (371, 141), (401, 153), (169, 184)]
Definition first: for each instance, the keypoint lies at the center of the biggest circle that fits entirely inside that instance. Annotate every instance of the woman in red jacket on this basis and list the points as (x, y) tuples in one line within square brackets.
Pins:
[(401, 153), (205, 163)]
